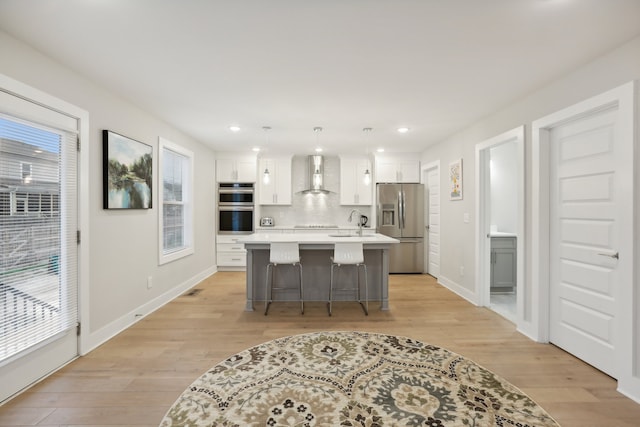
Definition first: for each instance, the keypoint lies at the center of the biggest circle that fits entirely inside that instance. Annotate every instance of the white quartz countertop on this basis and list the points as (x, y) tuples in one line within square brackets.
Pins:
[(303, 229), (329, 237)]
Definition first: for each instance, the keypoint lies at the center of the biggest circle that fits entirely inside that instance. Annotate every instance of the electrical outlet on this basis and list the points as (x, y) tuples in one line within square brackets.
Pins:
[(461, 270), (149, 282)]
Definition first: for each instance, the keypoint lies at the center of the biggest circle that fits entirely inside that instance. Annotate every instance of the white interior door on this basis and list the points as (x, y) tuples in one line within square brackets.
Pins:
[(433, 222), (587, 227)]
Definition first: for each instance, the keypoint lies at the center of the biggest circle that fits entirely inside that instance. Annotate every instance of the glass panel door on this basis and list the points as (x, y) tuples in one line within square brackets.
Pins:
[(38, 248)]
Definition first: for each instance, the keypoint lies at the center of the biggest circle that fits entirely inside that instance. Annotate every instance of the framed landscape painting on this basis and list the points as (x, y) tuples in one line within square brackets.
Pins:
[(455, 180), (127, 171)]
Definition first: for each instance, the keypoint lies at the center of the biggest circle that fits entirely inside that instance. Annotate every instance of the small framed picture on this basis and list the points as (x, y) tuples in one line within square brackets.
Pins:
[(455, 180), (127, 172)]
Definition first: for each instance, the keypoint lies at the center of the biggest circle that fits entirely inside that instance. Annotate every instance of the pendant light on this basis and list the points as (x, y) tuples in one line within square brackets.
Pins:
[(316, 180), (266, 175), (367, 174)]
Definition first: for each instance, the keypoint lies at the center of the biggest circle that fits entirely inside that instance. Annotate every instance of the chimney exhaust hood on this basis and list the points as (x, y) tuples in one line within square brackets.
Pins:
[(316, 176)]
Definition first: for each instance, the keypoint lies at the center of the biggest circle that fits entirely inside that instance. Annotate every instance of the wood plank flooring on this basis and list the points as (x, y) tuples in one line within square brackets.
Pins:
[(133, 379)]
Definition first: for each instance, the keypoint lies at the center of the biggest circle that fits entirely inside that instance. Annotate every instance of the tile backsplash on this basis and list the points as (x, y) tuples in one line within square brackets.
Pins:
[(314, 208)]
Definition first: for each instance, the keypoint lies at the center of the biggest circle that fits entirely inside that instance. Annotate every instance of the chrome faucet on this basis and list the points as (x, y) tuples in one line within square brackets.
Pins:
[(356, 211)]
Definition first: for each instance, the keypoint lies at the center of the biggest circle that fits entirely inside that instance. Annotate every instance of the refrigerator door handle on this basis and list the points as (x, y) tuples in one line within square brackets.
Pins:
[(400, 213), (404, 210)]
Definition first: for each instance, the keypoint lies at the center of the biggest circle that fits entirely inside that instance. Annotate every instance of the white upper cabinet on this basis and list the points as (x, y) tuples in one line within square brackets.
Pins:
[(397, 169), (353, 188), (236, 169), (276, 189)]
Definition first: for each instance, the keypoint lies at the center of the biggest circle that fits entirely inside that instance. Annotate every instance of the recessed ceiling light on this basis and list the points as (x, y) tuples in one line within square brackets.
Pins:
[(256, 149), (318, 150), (37, 151), (403, 130), (234, 128), (380, 150)]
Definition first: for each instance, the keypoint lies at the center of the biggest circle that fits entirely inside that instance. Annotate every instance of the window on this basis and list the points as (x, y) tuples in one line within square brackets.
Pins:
[(176, 195), (26, 172)]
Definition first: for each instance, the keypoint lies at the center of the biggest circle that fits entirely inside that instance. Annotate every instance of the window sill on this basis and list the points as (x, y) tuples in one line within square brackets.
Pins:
[(176, 255)]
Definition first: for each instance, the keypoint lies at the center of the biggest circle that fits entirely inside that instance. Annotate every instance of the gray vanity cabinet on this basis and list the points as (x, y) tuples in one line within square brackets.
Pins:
[(503, 264)]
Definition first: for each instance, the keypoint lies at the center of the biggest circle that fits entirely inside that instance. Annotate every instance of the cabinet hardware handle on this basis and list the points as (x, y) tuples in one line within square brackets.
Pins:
[(616, 256)]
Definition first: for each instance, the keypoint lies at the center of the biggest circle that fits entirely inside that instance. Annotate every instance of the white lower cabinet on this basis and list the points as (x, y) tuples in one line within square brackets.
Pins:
[(503, 264), (229, 252)]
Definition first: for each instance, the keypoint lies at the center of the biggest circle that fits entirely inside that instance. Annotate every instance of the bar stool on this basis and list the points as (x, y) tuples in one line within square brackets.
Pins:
[(282, 253), (349, 254)]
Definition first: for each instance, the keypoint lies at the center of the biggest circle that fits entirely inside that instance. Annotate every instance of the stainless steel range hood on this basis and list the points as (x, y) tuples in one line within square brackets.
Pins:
[(316, 176)]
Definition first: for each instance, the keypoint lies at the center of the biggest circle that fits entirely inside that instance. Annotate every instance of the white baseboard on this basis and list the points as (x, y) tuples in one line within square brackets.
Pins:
[(94, 339), (454, 287), (528, 330), (630, 387)]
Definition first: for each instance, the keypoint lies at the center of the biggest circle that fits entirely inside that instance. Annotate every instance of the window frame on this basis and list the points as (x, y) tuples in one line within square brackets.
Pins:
[(188, 200)]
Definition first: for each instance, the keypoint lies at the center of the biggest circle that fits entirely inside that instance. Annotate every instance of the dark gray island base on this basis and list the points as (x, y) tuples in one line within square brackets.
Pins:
[(315, 253)]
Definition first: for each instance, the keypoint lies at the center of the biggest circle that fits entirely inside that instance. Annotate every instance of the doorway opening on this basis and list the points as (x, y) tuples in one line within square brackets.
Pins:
[(500, 213)]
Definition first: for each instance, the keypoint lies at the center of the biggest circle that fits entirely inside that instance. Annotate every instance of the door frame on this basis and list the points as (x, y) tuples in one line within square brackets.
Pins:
[(483, 204), (35, 96), (538, 325), (424, 170)]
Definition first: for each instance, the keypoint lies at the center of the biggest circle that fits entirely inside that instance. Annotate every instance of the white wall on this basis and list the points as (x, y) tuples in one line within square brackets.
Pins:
[(123, 244), (613, 69), (504, 187)]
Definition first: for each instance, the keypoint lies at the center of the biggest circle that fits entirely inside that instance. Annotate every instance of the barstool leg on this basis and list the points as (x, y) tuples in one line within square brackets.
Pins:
[(366, 291), (301, 291), (330, 290), (267, 290), (358, 283), (364, 306)]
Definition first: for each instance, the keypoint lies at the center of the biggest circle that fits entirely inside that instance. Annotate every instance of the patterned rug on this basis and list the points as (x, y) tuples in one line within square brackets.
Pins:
[(352, 379)]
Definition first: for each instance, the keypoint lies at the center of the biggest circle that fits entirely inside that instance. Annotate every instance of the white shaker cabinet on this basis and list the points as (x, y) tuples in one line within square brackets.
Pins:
[(230, 253), (391, 169), (236, 169), (276, 190), (353, 189), (503, 264)]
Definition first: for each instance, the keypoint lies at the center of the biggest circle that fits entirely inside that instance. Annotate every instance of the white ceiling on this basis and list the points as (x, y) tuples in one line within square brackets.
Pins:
[(435, 66)]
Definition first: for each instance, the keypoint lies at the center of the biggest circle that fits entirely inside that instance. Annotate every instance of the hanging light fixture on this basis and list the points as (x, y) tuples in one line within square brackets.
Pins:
[(316, 180), (367, 174), (266, 175)]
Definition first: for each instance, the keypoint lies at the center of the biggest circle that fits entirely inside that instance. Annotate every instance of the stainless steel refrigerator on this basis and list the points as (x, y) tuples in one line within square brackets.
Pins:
[(400, 214)]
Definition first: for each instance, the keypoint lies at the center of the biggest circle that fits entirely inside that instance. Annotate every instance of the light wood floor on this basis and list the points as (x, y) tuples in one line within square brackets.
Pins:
[(134, 378)]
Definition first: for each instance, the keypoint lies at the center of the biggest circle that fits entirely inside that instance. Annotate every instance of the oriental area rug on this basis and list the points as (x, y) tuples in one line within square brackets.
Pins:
[(352, 379)]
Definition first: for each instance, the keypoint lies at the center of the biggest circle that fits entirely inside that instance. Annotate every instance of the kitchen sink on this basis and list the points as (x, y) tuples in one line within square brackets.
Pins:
[(348, 235)]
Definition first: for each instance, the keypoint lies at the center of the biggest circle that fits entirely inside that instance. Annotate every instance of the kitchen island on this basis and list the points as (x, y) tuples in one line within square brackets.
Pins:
[(315, 252)]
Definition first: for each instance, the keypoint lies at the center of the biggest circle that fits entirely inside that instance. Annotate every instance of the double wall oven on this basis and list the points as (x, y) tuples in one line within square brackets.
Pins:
[(235, 208)]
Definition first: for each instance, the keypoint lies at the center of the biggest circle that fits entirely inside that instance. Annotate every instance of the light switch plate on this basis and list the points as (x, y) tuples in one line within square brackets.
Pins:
[(466, 218)]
